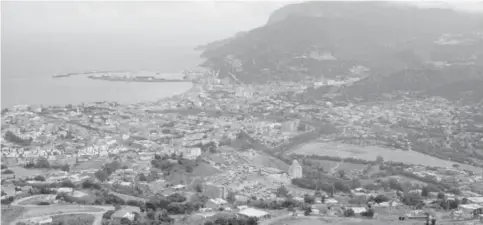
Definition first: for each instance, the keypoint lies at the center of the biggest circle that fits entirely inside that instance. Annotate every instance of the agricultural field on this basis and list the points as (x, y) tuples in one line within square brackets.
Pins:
[(35, 199), (370, 153), (56, 209), (10, 213), (91, 164), (74, 219), (328, 165), (22, 172)]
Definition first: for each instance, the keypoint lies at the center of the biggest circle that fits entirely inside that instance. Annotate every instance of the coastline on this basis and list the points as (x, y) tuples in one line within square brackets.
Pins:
[(136, 79), (193, 88)]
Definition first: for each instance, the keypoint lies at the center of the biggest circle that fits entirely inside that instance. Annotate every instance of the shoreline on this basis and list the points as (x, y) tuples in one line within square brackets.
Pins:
[(193, 88), (136, 79)]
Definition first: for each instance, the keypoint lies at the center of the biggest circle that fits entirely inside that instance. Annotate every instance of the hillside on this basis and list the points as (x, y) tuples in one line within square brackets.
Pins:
[(387, 38)]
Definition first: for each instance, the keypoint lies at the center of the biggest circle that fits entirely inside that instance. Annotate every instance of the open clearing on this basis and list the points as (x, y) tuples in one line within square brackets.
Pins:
[(57, 209), (91, 164), (22, 172), (74, 219), (10, 213), (370, 153), (328, 165)]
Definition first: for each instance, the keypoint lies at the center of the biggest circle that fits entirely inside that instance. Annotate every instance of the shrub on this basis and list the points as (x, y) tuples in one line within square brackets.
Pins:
[(43, 203), (369, 213), (381, 198), (7, 201), (39, 178), (8, 171), (107, 215), (349, 212)]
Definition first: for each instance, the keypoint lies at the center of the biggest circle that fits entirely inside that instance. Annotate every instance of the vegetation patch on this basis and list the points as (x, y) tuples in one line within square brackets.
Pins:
[(371, 153), (73, 219), (10, 213)]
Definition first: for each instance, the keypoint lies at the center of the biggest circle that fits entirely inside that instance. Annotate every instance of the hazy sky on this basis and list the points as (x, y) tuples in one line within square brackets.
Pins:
[(169, 21), (182, 22)]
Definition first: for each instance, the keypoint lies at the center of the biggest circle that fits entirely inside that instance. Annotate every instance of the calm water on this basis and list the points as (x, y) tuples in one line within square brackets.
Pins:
[(77, 89), (27, 70)]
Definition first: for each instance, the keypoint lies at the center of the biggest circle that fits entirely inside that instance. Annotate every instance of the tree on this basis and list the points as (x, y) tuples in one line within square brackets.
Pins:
[(349, 212), (8, 171), (355, 183), (101, 175), (380, 159), (65, 168), (189, 169), (230, 197), (199, 188), (307, 210), (107, 215), (142, 177), (411, 199), (308, 199), (381, 198), (125, 221), (341, 173), (441, 195), (39, 178), (282, 191), (368, 213), (425, 192)]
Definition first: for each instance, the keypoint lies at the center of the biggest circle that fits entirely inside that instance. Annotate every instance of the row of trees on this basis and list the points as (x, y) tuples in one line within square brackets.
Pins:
[(234, 221), (43, 163), (329, 186), (173, 163), (11, 137)]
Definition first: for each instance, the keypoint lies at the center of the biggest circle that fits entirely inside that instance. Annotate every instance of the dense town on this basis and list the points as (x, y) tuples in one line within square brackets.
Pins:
[(225, 148)]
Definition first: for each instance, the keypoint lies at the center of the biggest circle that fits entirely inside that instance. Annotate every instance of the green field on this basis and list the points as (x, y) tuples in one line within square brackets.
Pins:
[(370, 153), (10, 213), (74, 219), (22, 172)]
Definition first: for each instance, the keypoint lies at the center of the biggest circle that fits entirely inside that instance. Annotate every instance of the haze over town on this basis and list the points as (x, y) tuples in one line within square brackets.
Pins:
[(247, 112)]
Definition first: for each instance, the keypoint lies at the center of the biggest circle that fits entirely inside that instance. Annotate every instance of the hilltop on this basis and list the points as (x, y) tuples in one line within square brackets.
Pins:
[(310, 39)]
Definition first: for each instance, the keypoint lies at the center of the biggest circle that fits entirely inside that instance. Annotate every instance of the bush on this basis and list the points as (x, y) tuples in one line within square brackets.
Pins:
[(176, 197), (309, 199), (101, 175), (349, 212), (8, 171), (412, 200), (369, 213), (381, 198), (3, 167), (107, 215), (88, 184), (43, 203), (7, 201), (282, 191), (39, 178)]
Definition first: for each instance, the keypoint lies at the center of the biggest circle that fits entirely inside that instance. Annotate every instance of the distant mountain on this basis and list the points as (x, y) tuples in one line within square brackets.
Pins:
[(311, 39)]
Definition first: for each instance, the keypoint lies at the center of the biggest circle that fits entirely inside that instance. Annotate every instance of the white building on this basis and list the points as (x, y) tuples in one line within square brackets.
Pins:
[(295, 170)]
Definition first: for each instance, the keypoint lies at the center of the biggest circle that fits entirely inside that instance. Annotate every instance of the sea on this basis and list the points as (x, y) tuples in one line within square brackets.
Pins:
[(28, 67)]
